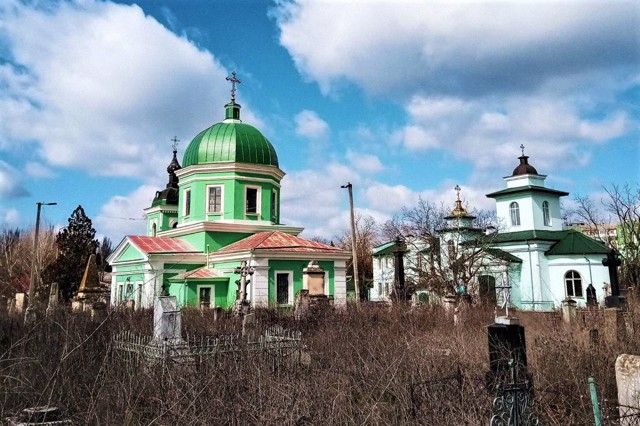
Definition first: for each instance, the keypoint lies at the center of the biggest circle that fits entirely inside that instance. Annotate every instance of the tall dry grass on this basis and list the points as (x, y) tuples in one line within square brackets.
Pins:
[(368, 366)]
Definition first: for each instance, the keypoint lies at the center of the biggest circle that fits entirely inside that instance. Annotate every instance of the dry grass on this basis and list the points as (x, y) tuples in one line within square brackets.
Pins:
[(368, 366)]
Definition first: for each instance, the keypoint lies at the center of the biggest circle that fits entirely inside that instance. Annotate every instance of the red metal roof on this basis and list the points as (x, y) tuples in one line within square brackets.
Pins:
[(277, 241), (162, 245), (203, 272)]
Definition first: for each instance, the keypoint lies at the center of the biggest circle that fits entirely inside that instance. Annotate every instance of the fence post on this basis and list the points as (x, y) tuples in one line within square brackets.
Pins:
[(597, 416)]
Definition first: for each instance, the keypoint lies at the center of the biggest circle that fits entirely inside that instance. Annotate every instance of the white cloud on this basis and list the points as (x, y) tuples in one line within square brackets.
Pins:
[(310, 125), (35, 169), (100, 86), (10, 186), (461, 48), (365, 163), (123, 214), (9, 217)]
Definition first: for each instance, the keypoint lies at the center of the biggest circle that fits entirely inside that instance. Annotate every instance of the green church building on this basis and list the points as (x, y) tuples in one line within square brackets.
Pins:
[(221, 207)]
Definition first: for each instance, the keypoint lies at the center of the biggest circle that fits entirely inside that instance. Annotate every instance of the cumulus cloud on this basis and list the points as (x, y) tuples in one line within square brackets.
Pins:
[(35, 169), (10, 186), (459, 48), (123, 214), (100, 86), (365, 163), (310, 125)]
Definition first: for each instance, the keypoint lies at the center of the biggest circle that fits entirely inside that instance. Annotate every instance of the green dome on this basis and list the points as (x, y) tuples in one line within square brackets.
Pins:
[(230, 142)]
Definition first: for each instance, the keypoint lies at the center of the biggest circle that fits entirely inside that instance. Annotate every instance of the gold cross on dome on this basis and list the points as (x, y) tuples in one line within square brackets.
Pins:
[(457, 188), (233, 81)]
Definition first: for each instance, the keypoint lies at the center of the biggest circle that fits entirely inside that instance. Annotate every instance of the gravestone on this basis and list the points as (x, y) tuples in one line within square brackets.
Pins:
[(21, 303), (507, 342), (628, 381), (167, 321), (569, 311), (312, 297), (314, 279), (89, 290), (53, 299)]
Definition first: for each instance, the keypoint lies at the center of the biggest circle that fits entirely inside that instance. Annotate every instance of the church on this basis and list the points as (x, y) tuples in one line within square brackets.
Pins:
[(220, 211), (530, 253)]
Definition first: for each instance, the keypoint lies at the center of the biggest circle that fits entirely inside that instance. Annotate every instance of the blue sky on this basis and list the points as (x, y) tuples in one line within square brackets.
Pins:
[(405, 99)]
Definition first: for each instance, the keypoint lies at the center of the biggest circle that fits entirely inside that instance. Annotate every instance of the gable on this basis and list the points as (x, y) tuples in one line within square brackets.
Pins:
[(576, 243), (127, 252)]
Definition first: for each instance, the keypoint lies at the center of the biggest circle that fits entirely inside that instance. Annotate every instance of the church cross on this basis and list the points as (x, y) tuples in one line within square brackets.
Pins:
[(522, 148), (233, 81), (175, 141), (457, 188)]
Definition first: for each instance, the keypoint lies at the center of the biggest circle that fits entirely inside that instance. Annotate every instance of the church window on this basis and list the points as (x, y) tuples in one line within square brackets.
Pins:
[(214, 199), (251, 196), (573, 283), (274, 206), (153, 229), (284, 288), (204, 297), (545, 213), (514, 210), (187, 202), (451, 248)]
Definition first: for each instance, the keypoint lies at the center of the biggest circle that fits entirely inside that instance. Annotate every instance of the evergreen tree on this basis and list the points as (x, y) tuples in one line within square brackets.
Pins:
[(75, 244)]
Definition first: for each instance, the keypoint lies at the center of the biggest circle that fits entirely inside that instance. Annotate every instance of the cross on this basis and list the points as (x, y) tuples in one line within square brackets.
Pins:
[(522, 148), (175, 141), (506, 295), (233, 81), (457, 188)]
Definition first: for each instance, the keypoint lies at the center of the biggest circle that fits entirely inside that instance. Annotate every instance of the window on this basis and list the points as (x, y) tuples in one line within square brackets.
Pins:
[(214, 201), (487, 290), (282, 288), (274, 206), (153, 229), (251, 194), (545, 213), (514, 210), (573, 283), (204, 297), (187, 202), (451, 250)]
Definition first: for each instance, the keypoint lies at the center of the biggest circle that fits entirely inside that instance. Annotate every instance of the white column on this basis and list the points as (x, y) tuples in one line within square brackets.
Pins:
[(114, 287), (339, 282)]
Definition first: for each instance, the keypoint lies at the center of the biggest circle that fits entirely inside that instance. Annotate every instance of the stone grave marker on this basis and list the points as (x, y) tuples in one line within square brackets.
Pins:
[(628, 381), (167, 321)]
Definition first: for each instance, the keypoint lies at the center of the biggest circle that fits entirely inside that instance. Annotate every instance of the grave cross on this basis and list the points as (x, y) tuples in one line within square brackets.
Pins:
[(233, 81), (506, 298)]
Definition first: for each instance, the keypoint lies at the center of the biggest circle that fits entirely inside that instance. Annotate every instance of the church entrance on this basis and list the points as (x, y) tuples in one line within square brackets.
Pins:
[(487, 290)]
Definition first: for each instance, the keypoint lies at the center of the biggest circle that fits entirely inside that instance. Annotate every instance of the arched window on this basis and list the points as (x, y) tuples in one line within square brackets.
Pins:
[(573, 283), (514, 210), (545, 213), (153, 229)]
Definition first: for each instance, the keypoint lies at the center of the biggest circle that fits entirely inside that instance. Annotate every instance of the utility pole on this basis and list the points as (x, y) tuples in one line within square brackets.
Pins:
[(29, 313), (354, 253)]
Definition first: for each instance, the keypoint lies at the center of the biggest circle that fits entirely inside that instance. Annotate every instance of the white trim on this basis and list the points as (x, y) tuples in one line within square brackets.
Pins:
[(171, 208), (267, 254), (228, 178), (289, 288), (240, 226), (208, 197), (230, 167), (258, 201)]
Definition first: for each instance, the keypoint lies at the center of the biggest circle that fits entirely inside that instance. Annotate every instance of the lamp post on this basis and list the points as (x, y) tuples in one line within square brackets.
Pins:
[(29, 314), (354, 253)]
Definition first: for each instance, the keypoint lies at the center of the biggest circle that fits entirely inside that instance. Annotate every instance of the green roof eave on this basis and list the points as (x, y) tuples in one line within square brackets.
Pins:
[(503, 255), (198, 279), (527, 188), (522, 236), (576, 243), (383, 249)]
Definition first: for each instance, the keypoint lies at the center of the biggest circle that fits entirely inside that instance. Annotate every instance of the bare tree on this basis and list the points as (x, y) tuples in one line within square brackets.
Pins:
[(367, 238), (621, 206), (441, 268)]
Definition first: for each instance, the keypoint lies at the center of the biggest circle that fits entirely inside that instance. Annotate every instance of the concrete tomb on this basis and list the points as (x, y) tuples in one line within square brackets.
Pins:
[(628, 381)]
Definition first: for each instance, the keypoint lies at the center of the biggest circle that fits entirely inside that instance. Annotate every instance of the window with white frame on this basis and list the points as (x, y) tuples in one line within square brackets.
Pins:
[(514, 210), (573, 283), (546, 217), (187, 202), (284, 288), (214, 199), (153, 229), (252, 200)]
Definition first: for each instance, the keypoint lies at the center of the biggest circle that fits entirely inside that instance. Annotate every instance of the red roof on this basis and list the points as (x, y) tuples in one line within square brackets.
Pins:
[(277, 241), (203, 272), (161, 244)]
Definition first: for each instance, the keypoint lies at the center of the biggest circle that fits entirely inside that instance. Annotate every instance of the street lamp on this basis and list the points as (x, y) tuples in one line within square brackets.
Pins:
[(29, 314)]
